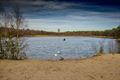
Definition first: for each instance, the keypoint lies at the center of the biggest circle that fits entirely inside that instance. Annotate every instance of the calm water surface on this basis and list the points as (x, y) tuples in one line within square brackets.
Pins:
[(71, 48)]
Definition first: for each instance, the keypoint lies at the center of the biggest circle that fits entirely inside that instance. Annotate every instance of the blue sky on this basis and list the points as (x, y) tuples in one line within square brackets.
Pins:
[(69, 15)]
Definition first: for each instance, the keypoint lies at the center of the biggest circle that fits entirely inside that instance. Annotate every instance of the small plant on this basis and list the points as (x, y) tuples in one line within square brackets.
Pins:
[(113, 47), (101, 50)]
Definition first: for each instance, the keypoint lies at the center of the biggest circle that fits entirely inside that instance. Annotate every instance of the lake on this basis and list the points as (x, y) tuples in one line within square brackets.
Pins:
[(68, 47)]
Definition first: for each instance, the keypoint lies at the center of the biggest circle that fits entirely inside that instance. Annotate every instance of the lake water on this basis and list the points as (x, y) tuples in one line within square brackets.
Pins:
[(70, 48)]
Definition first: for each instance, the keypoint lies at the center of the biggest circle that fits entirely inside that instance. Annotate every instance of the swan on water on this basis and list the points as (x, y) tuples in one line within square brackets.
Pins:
[(55, 54)]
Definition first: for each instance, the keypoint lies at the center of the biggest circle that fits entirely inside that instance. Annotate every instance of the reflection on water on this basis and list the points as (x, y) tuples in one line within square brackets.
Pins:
[(69, 47)]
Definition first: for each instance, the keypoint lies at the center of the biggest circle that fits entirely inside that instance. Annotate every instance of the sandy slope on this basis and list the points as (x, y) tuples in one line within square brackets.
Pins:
[(105, 67)]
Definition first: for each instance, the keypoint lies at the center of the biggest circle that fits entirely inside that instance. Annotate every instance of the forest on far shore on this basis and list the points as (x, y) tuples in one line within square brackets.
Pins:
[(114, 33)]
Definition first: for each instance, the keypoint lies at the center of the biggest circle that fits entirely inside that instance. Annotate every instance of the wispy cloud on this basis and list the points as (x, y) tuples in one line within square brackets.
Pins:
[(69, 15)]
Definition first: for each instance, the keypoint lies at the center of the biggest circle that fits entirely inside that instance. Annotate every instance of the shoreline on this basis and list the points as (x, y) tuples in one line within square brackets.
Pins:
[(104, 67), (110, 37)]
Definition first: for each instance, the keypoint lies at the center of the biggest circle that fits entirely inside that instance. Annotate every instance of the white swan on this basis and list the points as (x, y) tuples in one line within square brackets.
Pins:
[(55, 54)]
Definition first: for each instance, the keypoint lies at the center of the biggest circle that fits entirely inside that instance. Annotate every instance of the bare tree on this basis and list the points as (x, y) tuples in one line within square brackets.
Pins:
[(12, 45), (18, 44)]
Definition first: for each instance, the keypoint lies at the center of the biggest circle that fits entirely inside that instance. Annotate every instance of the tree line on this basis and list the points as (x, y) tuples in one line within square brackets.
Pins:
[(115, 32)]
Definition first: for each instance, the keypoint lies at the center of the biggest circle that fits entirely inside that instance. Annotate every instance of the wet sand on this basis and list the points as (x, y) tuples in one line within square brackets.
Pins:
[(104, 67)]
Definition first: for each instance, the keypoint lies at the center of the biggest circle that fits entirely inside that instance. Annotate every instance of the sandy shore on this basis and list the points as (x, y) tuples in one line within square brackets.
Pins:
[(105, 67)]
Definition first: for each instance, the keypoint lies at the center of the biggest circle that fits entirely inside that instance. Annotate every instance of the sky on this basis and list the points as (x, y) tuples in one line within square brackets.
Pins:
[(69, 15)]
